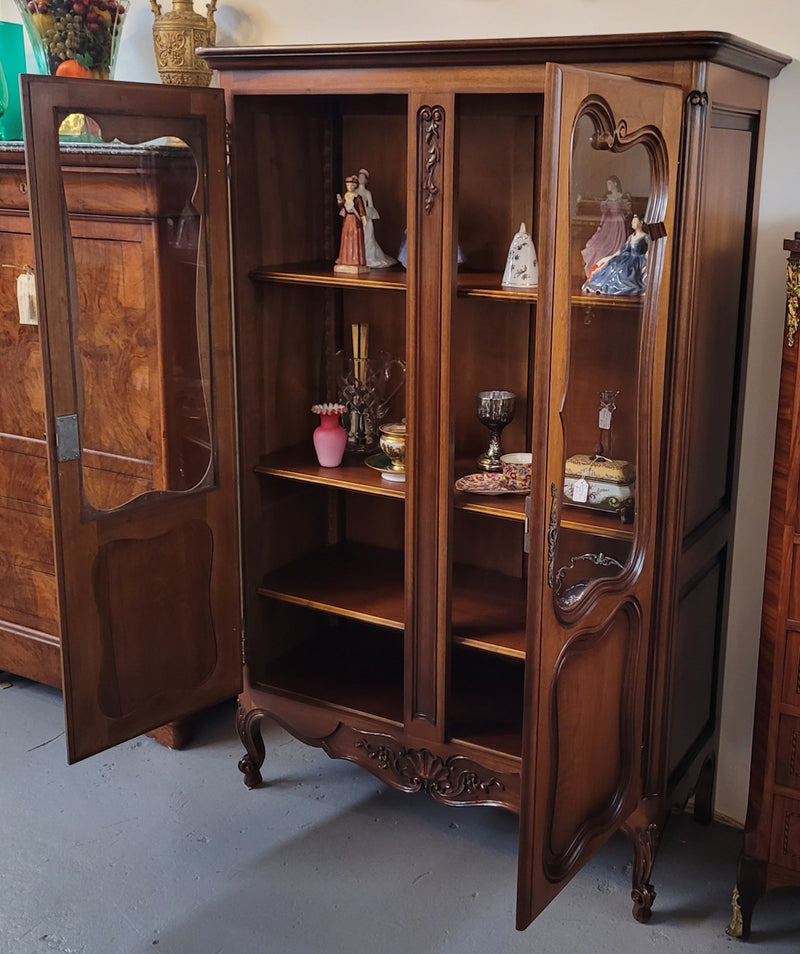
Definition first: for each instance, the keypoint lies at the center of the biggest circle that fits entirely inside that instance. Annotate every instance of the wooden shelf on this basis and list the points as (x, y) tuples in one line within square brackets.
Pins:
[(468, 284), (322, 273), (366, 583), (488, 611), (629, 302), (351, 580), (487, 696), (512, 507), (595, 522), (490, 285), (299, 463), (355, 668)]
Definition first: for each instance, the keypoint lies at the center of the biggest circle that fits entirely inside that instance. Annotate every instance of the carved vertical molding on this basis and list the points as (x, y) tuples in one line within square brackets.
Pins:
[(676, 410), (431, 129), (428, 343)]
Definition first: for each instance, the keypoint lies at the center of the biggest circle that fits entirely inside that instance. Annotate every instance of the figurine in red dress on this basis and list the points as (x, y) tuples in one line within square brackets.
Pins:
[(352, 254)]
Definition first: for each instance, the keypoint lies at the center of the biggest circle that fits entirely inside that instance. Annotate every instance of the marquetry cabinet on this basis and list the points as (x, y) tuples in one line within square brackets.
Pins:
[(553, 652), (770, 855)]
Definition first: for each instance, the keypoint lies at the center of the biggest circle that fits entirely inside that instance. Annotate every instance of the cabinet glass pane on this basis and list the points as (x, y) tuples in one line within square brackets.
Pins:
[(498, 144), (140, 322), (609, 195)]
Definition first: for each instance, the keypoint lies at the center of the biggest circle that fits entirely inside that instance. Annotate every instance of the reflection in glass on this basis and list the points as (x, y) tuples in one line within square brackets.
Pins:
[(609, 196), (140, 317)]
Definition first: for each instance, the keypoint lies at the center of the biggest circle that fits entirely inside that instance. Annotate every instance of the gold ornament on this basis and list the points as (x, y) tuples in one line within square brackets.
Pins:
[(176, 36), (792, 300)]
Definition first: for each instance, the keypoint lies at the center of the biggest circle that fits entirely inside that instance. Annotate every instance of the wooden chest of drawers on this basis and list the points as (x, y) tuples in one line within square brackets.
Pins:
[(771, 854)]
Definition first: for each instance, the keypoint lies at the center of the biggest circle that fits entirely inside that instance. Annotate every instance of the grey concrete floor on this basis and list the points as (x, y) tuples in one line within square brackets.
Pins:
[(147, 849)]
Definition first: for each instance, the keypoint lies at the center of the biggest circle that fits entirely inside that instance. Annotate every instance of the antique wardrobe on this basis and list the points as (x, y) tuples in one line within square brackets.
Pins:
[(538, 651), (770, 855)]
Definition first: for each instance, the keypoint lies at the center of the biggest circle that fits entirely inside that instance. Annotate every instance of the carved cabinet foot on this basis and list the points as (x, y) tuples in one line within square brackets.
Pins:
[(751, 885), (643, 894), (248, 725), (173, 735)]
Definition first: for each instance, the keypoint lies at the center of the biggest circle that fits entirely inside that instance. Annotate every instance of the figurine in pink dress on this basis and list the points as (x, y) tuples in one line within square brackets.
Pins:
[(613, 229)]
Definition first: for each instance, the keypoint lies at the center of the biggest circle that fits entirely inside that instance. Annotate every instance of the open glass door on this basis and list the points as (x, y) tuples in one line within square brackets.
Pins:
[(134, 305), (611, 147)]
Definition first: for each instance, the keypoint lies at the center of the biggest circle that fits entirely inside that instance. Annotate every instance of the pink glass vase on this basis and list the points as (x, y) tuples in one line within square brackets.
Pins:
[(329, 437)]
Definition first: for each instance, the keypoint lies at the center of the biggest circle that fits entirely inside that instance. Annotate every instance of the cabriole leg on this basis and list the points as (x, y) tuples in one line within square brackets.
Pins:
[(645, 845), (248, 724)]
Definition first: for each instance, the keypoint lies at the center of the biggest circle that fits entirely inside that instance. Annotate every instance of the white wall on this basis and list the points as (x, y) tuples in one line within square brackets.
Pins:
[(775, 25)]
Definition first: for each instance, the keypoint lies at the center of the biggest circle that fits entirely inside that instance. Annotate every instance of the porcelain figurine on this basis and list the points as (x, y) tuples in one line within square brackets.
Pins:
[(376, 257), (522, 268), (626, 272), (612, 230), (352, 251)]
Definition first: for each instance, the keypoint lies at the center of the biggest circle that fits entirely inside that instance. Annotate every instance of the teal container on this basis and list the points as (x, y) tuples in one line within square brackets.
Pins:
[(12, 63)]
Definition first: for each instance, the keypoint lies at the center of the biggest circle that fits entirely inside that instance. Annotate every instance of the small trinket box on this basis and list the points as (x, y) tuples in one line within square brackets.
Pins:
[(600, 484)]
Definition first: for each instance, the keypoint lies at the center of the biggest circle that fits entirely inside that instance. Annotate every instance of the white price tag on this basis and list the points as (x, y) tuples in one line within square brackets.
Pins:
[(580, 490), (26, 299), (605, 419)]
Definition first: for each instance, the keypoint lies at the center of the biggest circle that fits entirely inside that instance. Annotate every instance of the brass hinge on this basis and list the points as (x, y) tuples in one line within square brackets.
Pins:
[(228, 141), (526, 533)]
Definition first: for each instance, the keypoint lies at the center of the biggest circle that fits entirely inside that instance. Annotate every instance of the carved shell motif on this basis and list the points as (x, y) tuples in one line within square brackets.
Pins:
[(419, 770)]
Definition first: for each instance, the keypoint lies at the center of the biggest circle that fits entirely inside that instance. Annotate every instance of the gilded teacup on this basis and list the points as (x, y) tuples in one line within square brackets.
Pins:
[(516, 471)]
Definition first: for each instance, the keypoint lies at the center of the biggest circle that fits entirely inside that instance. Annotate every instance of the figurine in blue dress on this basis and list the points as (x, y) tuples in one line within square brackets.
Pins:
[(625, 272)]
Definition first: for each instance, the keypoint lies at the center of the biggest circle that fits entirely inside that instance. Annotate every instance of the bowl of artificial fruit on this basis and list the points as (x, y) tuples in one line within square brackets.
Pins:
[(74, 37)]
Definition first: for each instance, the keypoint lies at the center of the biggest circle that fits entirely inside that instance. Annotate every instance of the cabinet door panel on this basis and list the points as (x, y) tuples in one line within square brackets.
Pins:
[(608, 193), (137, 358)]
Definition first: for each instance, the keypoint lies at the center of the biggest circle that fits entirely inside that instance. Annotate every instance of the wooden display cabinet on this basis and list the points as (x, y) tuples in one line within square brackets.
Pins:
[(552, 658), (770, 856)]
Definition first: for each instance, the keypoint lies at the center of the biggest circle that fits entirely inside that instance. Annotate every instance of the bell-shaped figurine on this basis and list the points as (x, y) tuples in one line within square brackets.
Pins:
[(522, 268)]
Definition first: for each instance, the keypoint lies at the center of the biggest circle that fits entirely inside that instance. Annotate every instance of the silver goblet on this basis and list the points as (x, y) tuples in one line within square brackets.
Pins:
[(495, 410)]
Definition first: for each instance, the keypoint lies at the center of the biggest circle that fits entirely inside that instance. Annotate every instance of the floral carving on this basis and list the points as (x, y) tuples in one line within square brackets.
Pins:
[(419, 770), (431, 122)]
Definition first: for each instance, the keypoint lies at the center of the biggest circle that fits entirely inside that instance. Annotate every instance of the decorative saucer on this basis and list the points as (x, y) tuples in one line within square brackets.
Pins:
[(382, 463), (490, 483)]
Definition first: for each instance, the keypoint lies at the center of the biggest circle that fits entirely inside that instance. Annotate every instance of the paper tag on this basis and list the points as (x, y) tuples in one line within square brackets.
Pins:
[(605, 419), (580, 490), (26, 299)]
